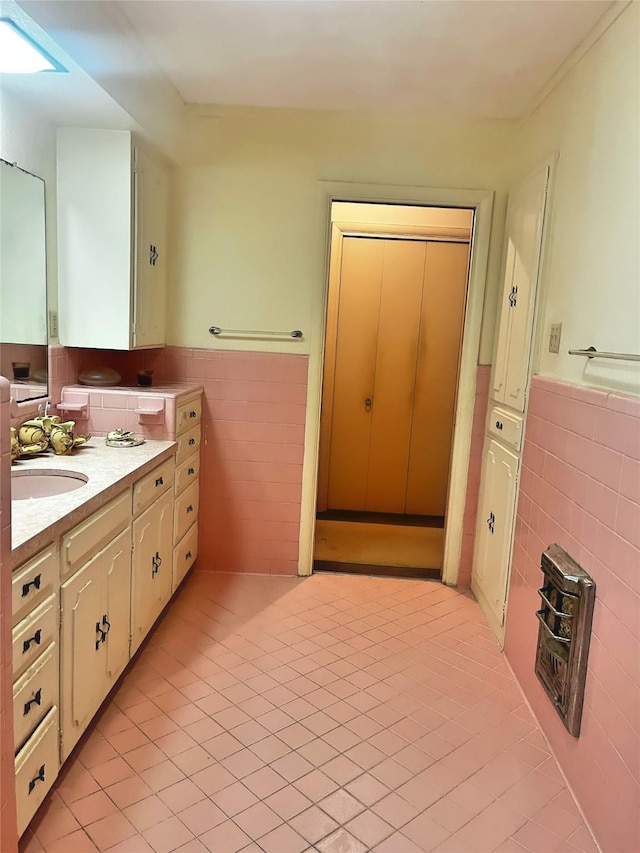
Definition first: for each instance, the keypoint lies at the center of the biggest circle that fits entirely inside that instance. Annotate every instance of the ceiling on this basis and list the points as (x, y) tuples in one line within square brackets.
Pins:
[(472, 58), (71, 98)]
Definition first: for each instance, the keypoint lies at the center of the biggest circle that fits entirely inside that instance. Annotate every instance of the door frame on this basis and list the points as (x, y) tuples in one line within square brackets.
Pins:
[(481, 202)]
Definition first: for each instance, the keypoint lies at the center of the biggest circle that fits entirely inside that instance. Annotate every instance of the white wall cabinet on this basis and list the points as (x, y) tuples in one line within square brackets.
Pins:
[(528, 211), (527, 207), (112, 227), (95, 606)]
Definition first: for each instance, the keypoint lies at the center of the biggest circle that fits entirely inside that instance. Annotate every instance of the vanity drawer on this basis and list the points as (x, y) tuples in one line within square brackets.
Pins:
[(506, 426), (188, 443), (34, 694), (33, 582), (146, 490), (184, 555), (37, 766), (87, 538), (189, 415), (187, 472), (33, 634), (185, 511)]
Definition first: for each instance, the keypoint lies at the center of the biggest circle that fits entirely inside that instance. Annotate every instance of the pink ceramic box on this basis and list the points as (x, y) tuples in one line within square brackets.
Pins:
[(148, 412)]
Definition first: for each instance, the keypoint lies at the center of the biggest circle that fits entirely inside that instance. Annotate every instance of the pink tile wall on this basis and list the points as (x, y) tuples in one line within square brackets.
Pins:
[(475, 468), (580, 487), (251, 475), (8, 828), (251, 470)]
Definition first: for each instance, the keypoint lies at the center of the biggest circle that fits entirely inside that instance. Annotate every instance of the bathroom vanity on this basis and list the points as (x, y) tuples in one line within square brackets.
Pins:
[(93, 569)]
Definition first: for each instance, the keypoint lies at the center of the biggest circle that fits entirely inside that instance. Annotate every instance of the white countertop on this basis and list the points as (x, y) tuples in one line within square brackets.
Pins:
[(38, 521)]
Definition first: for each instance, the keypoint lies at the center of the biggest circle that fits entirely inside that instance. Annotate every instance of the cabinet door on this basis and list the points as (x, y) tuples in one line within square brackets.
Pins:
[(117, 606), (151, 566), (524, 248), (496, 512), (150, 267), (82, 655)]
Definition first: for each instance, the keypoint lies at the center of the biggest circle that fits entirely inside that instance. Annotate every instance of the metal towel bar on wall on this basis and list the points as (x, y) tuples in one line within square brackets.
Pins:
[(592, 352), (255, 333)]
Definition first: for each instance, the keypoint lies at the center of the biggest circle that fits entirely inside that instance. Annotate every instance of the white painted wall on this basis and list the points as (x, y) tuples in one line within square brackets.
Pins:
[(592, 279), (29, 141), (245, 215)]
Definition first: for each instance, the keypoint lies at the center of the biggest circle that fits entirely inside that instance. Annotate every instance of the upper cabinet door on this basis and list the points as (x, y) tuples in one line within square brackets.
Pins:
[(151, 242), (527, 207), (111, 226)]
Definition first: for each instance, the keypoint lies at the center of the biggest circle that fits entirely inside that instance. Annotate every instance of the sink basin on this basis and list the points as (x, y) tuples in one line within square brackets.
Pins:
[(33, 483)]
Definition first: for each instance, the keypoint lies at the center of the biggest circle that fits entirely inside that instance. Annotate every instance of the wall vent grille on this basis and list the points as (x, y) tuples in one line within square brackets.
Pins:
[(564, 633)]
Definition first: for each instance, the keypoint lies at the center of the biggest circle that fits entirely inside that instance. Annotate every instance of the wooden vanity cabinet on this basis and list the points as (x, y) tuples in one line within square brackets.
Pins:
[(83, 606)]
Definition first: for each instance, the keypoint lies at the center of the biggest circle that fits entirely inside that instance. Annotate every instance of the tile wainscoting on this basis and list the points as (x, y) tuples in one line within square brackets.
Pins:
[(580, 487), (254, 421)]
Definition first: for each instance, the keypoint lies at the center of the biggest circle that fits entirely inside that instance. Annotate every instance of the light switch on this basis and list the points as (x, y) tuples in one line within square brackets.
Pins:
[(554, 337)]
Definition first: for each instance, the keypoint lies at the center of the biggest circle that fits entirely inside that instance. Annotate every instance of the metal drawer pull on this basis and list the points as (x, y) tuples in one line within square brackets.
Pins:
[(191, 471), (38, 778), (156, 562), (102, 636), (37, 700), (189, 509), (491, 521), (37, 637), (106, 624), (187, 556), (499, 425), (192, 441), (193, 414), (27, 586), (160, 481)]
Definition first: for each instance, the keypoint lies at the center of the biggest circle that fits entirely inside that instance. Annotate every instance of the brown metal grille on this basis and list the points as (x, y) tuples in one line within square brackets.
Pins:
[(564, 633)]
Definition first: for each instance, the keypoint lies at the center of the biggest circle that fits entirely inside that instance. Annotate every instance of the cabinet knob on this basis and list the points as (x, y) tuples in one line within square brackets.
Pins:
[(187, 556), (159, 481), (27, 586), (192, 441), (191, 471), (499, 424), (367, 404), (193, 414), (189, 509)]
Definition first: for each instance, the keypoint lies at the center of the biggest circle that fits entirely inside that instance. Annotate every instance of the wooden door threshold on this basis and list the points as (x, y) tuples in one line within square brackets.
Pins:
[(381, 518), (378, 571)]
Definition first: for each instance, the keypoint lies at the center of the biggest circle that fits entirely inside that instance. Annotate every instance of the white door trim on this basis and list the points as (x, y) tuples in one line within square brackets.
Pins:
[(481, 201)]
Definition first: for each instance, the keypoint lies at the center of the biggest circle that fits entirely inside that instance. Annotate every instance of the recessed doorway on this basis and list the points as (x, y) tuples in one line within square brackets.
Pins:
[(398, 283)]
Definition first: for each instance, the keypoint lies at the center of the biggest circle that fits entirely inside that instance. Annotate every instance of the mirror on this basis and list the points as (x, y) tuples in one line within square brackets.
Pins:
[(23, 283)]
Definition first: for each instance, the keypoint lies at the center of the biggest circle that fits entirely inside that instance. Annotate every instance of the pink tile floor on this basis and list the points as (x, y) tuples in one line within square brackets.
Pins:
[(337, 713)]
